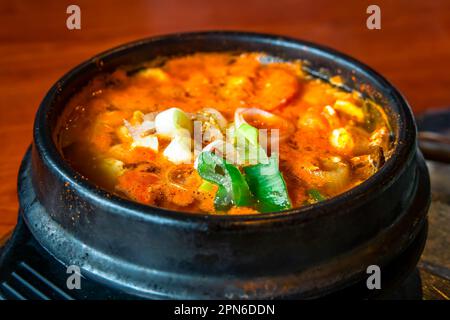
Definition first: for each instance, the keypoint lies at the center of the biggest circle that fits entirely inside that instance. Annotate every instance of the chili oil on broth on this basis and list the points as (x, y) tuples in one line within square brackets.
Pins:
[(331, 140)]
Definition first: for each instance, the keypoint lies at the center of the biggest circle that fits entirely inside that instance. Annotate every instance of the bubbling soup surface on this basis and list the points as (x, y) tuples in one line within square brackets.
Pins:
[(222, 133)]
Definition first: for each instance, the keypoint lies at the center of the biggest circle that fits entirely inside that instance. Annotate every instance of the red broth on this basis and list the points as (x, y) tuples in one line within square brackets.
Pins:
[(330, 140)]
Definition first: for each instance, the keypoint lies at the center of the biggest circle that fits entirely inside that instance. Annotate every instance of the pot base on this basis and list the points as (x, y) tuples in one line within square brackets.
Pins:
[(28, 271), (24, 254)]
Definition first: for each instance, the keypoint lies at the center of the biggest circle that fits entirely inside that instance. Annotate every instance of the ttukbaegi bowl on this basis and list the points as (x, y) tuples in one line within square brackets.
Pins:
[(313, 251)]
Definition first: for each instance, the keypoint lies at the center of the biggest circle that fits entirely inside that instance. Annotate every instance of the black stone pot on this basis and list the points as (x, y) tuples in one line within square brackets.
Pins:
[(312, 251)]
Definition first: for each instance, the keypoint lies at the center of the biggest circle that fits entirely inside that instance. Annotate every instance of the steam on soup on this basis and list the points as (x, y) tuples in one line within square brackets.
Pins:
[(222, 133)]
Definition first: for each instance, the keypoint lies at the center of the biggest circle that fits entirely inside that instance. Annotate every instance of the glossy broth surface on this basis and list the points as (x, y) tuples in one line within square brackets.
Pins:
[(330, 140)]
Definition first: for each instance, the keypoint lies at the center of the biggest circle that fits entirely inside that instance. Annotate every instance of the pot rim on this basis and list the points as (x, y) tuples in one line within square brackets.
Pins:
[(344, 202)]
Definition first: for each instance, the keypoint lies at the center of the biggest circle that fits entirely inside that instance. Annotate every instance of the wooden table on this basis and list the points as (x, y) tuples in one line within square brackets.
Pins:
[(412, 49)]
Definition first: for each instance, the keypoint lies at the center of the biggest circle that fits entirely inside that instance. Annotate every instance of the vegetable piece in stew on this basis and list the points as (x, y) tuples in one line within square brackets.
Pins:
[(222, 133)]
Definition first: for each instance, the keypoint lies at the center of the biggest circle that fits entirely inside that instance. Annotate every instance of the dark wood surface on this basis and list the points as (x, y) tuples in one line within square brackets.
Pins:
[(434, 265), (412, 49)]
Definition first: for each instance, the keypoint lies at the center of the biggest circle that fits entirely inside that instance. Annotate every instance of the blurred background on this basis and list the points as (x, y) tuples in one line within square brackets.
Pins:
[(412, 50)]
